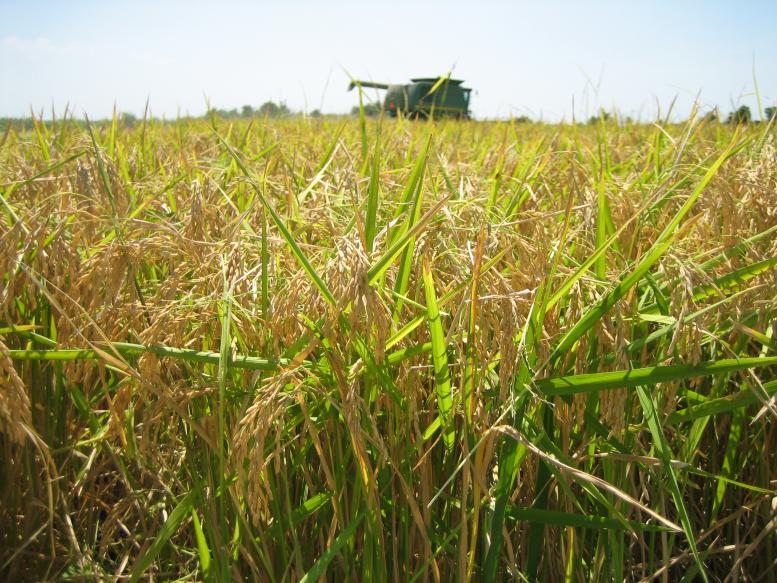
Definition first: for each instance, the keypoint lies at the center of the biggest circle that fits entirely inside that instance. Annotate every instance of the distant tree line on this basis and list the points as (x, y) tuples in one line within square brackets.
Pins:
[(375, 109), (741, 115), (370, 110), (267, 109), (28, 123), (271, 109)]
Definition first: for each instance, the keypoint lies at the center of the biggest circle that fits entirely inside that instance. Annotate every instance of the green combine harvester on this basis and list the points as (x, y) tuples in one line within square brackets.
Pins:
[(424, 97)]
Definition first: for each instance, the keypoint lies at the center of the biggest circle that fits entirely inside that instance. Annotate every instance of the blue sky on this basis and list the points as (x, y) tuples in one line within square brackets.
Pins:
[(534, 58)]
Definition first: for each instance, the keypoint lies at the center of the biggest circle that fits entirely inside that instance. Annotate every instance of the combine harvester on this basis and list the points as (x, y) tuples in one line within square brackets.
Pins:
[(424, 97)]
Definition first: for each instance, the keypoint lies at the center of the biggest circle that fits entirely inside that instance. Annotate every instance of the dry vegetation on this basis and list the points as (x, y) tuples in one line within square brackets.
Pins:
[(417, 352)]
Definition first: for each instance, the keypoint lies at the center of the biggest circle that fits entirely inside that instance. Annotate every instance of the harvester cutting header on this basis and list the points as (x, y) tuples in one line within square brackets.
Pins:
[(423, 97)]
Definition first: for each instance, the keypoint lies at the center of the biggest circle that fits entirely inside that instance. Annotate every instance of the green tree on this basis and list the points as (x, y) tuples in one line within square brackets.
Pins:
[(247, 111), (370, 110), (128, 119), (770, 112), (741, 115), (602, 115), (712, 115), (272, 109)]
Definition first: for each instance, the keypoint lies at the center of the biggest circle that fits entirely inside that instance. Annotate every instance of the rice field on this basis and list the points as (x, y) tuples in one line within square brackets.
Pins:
[(363, 350)]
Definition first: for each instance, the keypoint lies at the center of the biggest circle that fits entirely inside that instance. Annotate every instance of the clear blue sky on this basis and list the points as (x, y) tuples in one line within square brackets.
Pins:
[(534, 58)]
